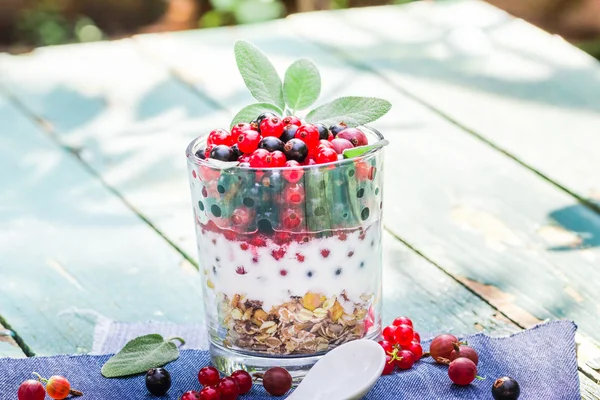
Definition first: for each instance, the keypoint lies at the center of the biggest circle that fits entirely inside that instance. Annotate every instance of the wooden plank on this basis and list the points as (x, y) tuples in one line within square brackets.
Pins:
[(72, 252), (523, 90), (463, 212)]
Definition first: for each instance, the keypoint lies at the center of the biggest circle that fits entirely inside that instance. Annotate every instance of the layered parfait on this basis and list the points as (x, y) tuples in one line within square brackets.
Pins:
[(288, 223)]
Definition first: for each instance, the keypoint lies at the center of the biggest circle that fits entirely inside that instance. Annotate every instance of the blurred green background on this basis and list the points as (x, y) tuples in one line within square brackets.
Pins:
[(25, 24)]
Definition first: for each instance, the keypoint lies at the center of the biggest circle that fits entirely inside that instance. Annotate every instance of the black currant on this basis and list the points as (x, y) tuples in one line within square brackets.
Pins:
[(201, 154), (337, 128), (270, 143), (323, 131), (295, 149), (236, 152), (222, 153), (262, 116), (289, 132), (506, 388), (158, 381)]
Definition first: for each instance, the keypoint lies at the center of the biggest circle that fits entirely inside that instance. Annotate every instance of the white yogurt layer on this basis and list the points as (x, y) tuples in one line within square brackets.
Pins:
[(352, 265)]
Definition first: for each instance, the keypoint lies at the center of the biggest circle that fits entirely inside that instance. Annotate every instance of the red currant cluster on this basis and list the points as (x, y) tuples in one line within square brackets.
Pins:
[(402, 345), (273, 142), (461, 359)]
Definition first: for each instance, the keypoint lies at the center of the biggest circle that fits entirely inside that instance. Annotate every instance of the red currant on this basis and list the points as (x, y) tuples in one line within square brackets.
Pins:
[(31, 390), (292, 120), (243, 379), (291, 218), (364, 171), (402, 321), (248, 141), (388, 333), (293, 175), (326, 155), (442, 346), (208, 393), (465, 351), (220, 136), (462, 371), (389, 365), (272, 127), (258, 158), (415, 348), (293, 194), (309, 134), (239, 128), (403, 335), (405, 359), (417, 337), (275, 159), (209, 376), (228, 388), (190, 395), (387, 346), (241, 217)]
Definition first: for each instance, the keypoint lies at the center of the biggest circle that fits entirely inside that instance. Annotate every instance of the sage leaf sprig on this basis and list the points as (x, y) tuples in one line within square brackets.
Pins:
[(300, 89), (141, 354)]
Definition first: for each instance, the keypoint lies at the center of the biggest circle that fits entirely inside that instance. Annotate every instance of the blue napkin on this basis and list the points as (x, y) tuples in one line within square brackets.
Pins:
[(541, 359)]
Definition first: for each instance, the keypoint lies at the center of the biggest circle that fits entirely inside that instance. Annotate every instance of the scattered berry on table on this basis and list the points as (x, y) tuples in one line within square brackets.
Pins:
[(209, 376), (292, 120), (220, 136), (402, 321), (58, 387), (505, 388), (222, 152), (388, 333), (158, 381), (191, 395), (389, 366), (354, 135), (415, 348), (295, 149), (442, 346), (337, 128), (326, 155), (271, 127), (293, 175), (339, 145), (31, 390), (228, 388), (270, 143), (248, 141), (323, 131), (263, 116), (289, 132), (209, 393), (243, 379), (462, 371), (277, 381), (464, 351), (405, 359), (309, 134), (403, 335)]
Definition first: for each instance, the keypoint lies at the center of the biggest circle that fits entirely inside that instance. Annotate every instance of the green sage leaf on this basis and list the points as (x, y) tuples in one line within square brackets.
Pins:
[(353, 111), (141, 354), (302, 84), (259, 74), (360, 150), (252, 111)]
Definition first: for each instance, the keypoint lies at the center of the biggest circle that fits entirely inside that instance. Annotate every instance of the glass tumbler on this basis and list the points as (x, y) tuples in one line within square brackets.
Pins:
[(290, 257)]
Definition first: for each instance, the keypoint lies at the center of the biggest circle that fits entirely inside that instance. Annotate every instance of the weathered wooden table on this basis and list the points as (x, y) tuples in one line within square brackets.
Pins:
[(493, 193)]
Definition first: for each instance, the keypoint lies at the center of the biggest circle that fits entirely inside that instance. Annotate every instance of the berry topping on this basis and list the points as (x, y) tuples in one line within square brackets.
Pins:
[(295, 149), (355, 136), (220, 136), (505, 388), (337, 128), (278, 254), (248, 140), (277, 381), (289, 132), (241, 271), (228, 388), (158, 381), (323, 131), (270, 143), (326, 155), (222, 152), (271, 127), (209, 393), (292, 120), (325, 253), (309, 134), (339, 145), (462, 371), (405, 359), (243, 379), (283, 272), (208, 376), (299, 257)]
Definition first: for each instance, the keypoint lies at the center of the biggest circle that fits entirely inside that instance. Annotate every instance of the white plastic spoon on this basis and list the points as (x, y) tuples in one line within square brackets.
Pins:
[(347, 372)]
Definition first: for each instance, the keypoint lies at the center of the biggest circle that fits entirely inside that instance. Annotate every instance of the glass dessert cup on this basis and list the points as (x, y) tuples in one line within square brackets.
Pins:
[(290, 257)]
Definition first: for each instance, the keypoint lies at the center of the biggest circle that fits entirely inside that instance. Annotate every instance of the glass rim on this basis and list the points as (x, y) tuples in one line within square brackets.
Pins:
[(191, 156)]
